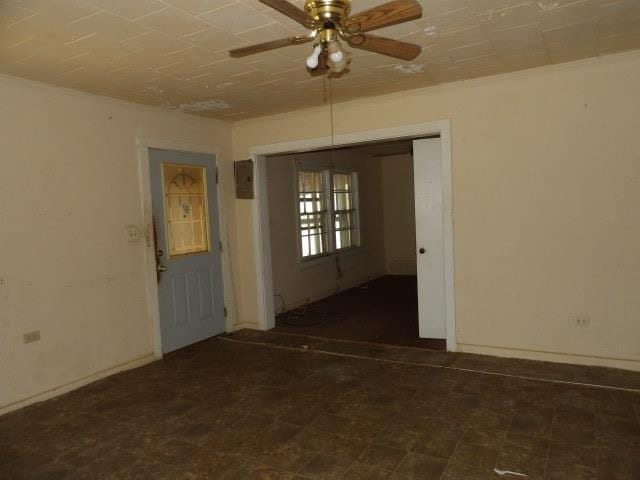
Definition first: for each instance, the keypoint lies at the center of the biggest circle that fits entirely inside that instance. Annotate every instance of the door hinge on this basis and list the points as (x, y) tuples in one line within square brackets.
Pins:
[(225, 312), (217, 175), (221, 247)]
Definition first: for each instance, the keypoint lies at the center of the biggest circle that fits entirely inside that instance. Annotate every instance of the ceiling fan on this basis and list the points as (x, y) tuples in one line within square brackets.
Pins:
[(330, 22)]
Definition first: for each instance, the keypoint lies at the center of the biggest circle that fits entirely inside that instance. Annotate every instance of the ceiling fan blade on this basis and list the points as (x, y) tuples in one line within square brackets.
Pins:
[(385, 46), (266, 46), (385, 15), (290, 10)]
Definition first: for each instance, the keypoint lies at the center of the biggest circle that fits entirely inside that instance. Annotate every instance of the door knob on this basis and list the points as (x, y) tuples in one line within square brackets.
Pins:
[(161, 268), (422, 250)]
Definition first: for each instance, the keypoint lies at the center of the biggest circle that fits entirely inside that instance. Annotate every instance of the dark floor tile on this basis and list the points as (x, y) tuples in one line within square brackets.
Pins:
[(398, 436), (521, 462), (476, 455), (326, 466), (382, 457), (532, 421), (524, 444), (562, 453), (317, 441), (362, 471), (574, 427), (289, 457), (416, 465), (618, 465), (570, 472), (618, 426), (331, 423), (439, 440), (266, 473), (461, 471), (485, 437), (232, 410), (490, 419)]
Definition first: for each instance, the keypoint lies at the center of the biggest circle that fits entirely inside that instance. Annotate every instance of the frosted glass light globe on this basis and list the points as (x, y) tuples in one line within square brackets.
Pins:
[(337, 56), (312, 62)]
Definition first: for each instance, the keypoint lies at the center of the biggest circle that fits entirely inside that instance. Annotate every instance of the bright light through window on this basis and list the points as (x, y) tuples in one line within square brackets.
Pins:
[(327, 204), (344, 212), (312, 208)]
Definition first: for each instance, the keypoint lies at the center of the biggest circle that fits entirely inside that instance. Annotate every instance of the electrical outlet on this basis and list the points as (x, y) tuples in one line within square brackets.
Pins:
[(581, 321), (31, 337), (133, 233)]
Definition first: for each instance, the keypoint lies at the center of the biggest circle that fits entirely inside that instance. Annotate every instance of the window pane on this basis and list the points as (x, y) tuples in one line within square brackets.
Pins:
[(185, 194), (345, 238), (344, 219), (342, 201), (312, 211)]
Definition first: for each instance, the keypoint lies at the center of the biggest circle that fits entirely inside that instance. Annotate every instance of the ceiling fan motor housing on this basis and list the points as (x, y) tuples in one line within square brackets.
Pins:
[(333, 11)]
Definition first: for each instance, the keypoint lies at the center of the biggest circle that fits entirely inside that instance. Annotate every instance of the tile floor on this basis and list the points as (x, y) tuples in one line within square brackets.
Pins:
[(384, 310), (249, 406)]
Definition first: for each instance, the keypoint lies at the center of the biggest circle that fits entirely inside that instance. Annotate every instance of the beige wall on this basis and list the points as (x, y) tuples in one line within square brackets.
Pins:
[(546, 179), (399, 214), (70, 186), (296, 283), (546, 170)]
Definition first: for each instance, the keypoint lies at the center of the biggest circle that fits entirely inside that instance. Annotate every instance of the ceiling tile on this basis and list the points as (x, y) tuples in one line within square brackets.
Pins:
[(172, 21), (236, 18), (130, 9), (196, 7)]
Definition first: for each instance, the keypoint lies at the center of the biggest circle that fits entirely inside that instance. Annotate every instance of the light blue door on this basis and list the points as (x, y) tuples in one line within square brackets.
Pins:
[(187, 242)]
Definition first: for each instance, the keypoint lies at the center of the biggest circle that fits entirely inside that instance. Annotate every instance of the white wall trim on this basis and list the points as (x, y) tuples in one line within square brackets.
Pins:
[(68, 387), (552, 356), (262, 247), (143, 145)]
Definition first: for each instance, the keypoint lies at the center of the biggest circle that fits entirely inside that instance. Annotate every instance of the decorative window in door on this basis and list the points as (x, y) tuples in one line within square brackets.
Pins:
[(185, 193)]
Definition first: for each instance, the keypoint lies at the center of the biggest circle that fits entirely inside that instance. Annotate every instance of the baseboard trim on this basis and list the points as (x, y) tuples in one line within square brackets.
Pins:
[(549, 356), (68, 387), (327, 293), (243, 325)]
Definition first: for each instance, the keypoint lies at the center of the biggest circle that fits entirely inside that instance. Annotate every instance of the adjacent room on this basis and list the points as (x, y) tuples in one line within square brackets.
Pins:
[(320, 239), (349, 214)]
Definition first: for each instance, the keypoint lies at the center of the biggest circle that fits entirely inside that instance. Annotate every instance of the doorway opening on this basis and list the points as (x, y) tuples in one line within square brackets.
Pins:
[(343, 245)]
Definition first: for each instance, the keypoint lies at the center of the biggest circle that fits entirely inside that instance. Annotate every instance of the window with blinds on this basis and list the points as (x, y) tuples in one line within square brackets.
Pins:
[(312, 210), (327, 212), (345, 225)]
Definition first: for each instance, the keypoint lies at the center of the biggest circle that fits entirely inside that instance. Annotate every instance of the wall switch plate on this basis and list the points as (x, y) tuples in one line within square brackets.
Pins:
[(31, 337), (133, 233)]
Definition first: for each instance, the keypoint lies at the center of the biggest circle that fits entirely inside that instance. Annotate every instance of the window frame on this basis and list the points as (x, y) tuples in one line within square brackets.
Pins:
[(355, 208), (298, 214), (328, 174)]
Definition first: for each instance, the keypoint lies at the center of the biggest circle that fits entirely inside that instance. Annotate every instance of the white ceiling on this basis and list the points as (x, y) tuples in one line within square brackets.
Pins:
[(172, 53)]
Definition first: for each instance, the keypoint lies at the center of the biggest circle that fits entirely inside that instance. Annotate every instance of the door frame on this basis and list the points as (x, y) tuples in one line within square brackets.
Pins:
[(260, 208), (143, 145)]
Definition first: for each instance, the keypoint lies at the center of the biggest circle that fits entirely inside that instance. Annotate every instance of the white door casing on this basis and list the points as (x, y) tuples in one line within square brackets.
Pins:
[(262, 254)]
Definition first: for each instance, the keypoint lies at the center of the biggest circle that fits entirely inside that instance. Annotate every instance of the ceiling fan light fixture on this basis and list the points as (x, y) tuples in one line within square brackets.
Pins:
[(313, 60), (329, 21), (336, 55)]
